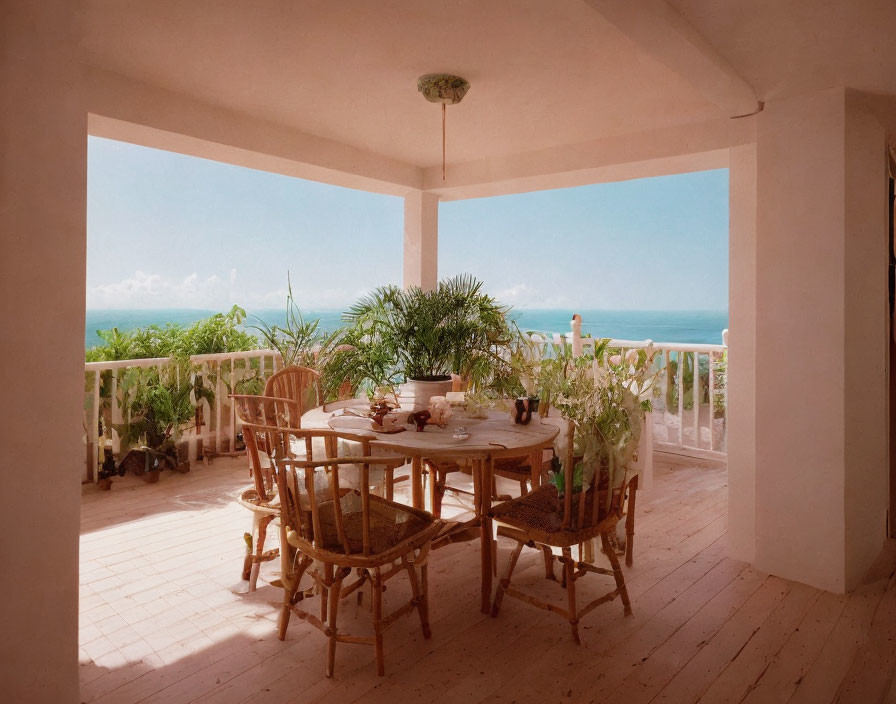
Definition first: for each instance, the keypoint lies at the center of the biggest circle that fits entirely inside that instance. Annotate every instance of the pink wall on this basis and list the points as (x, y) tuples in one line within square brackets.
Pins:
[(820, 382), (43, 171), (865, 350), (742, 352)]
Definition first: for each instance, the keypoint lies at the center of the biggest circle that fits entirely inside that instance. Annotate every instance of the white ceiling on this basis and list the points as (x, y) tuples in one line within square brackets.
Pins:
[(544, 73), (787, 47)]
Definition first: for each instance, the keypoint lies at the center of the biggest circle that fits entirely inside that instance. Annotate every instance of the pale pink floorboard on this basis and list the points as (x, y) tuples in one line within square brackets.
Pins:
[(166, 618)]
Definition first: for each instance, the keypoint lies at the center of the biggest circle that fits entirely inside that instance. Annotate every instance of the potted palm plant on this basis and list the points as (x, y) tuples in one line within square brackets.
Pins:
[(422, 338)]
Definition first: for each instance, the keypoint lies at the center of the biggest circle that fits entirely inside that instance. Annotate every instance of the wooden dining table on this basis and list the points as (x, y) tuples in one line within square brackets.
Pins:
[(492, 437)]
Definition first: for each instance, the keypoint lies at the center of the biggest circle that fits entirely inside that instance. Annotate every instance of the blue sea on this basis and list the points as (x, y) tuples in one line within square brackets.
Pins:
[(699, 326)]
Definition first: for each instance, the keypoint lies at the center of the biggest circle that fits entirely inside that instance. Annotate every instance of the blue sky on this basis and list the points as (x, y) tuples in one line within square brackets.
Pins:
[(171, 231)]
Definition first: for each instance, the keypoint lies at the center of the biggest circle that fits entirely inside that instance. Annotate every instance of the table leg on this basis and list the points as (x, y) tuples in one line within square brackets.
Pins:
[(484, 469), (433, 489), (535, 462), (417, 482)]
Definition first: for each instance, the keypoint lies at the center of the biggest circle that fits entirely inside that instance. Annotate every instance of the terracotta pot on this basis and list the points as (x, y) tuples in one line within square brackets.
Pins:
[(414, 394), (104, 484), (183, 467), (152, 476)]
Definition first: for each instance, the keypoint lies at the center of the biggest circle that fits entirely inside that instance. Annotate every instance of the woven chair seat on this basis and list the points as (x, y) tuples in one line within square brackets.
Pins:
[(539, 515), (391, 523), (250, 499)]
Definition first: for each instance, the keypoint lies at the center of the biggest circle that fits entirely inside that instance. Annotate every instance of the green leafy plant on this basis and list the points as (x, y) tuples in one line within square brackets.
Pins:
[(221, 332), (719, 369), (356, 358), (298, 341), (157, 403), (607, 397), (416, 334)]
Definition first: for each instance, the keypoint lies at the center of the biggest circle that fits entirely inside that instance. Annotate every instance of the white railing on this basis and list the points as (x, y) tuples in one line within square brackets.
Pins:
[(219, 427), (690, 411)]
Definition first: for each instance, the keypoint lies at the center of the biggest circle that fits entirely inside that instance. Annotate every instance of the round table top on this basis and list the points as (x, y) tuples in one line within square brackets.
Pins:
[(494, 436)]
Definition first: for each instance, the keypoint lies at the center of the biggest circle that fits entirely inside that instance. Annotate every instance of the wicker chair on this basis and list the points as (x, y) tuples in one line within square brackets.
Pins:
[(261, 497), (514, 468), (345, 529), (545, 520), (298, 383)]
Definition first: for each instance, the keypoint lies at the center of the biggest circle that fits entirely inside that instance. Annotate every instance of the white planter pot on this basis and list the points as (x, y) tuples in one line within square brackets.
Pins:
[(414, 395)]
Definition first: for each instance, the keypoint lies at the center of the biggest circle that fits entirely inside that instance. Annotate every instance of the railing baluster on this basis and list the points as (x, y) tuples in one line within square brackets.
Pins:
[(93, 430), (680, 385), (219, 392), (232, 412), (696, 394), (712, 403), (115, 414)]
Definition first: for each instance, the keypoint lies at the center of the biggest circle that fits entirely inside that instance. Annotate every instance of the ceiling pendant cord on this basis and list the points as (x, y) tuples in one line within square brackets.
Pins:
[(446, 89), (443, 141)]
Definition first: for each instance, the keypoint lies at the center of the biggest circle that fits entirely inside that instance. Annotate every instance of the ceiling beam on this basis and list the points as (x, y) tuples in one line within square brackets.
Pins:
[(682, 149), (130, 111), (661, 32)]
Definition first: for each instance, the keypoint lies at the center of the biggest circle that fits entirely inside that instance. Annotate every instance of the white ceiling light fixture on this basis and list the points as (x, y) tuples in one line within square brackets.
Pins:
[(446, 89)]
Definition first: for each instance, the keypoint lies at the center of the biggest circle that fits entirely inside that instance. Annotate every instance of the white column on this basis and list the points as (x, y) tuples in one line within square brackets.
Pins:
[(820, 350), (43, 172), (421, 240), (742, 352)]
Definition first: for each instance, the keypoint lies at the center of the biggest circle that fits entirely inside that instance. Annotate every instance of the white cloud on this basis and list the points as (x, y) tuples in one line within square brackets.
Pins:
[(151, 290), (524, 295), (145, 290)]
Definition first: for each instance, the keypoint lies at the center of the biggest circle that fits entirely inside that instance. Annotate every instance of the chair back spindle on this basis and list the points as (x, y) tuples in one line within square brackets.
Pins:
[(264, 411), (298, 383), (327, 514)]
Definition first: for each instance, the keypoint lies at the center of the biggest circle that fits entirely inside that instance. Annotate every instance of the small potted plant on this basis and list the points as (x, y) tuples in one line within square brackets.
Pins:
[(160, 405)]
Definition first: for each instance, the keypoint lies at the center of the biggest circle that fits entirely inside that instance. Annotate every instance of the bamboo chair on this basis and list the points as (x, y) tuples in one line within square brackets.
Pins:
[(544, 520), (514, 468), (345, 530), (261, 497), (298, 383)]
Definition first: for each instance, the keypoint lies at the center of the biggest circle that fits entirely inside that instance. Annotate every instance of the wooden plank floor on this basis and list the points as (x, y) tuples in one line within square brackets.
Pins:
[(165, 617)]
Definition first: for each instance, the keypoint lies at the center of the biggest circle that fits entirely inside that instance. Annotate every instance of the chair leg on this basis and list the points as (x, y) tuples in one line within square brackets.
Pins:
[(587, 552), (548, 563), (524, 487), (630, 520), (377, 599), (250, 547), (504, 583), (617, 573), (422, 606), (439, 482), (325, 593), (336, 587), (570, 579), (261, 536), (424, 598), (291, 582)]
